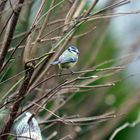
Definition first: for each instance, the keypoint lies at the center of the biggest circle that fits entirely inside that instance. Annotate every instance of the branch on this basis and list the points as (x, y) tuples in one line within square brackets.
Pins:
[(81, 120), (10, 33), (127, 124), (21, 95)]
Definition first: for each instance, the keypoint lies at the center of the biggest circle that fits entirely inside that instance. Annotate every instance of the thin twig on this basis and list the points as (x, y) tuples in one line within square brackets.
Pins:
[(122, 127)]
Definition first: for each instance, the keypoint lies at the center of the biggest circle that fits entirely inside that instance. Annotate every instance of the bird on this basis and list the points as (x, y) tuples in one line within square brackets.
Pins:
[(68, 58), (26, 127)]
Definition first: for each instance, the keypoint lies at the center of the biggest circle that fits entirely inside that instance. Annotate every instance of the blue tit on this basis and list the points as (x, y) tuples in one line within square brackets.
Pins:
[(27, 128), (68, 59)]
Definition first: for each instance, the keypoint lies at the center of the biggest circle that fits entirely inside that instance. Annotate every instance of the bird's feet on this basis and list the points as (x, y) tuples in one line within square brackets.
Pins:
[(60, 73), (72, 72)]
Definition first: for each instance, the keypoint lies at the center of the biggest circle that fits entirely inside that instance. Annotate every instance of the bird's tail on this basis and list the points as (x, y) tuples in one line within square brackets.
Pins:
[(55, 63)]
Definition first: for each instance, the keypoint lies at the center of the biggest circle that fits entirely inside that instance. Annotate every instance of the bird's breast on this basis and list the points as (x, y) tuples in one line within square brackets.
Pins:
[(66, 65)]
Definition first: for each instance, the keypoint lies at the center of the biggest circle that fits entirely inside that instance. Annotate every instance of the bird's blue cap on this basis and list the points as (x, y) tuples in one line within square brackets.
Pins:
[(73, 48)]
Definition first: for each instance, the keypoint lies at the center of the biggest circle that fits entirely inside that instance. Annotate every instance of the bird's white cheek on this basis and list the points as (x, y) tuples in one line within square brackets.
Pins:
[(74, 53)]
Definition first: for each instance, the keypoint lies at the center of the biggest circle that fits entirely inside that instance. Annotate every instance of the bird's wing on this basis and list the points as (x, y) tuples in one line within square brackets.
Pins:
[(66, 57), (68, 60)]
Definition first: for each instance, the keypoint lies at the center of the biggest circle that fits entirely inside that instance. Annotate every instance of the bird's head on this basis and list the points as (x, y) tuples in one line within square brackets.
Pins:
[(73, 50)]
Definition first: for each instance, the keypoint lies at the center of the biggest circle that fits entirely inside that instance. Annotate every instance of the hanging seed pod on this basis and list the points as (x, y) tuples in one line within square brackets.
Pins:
[(27, 128)]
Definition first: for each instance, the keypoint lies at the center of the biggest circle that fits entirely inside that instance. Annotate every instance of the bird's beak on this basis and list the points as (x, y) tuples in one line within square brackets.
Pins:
[(78, 52)]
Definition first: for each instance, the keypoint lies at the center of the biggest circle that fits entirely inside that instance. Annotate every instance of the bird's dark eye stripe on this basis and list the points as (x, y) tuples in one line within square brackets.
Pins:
[(74, 50)]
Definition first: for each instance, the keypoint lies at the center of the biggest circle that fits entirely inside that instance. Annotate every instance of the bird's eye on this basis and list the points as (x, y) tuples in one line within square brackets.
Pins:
[(69, 49)]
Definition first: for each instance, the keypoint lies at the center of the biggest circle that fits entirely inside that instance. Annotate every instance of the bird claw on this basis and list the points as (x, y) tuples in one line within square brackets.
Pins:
[(60, 73)]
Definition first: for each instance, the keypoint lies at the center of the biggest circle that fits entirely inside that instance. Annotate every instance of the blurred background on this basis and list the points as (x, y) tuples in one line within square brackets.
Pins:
[(110, 45)]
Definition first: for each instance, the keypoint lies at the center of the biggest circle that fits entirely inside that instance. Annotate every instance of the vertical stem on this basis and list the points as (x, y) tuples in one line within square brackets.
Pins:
[(29, 68), (10, 32), (28, 47)]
